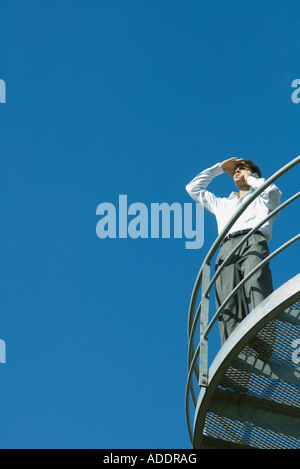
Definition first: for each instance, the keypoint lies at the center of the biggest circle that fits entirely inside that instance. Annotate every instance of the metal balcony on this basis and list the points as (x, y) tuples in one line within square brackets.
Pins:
[(250, 396)]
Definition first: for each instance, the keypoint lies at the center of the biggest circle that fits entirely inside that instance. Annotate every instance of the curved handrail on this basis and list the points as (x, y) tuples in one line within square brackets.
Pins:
[(231, 254), (244, 239), (194, 317), (188, 385), (245, 279), (231, 222)]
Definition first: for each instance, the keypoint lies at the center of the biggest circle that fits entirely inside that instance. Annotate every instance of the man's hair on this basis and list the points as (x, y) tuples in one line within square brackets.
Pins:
[(250, 165)]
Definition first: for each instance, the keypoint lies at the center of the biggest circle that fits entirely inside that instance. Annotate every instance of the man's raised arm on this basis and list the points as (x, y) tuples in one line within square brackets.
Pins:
[(197, 187)]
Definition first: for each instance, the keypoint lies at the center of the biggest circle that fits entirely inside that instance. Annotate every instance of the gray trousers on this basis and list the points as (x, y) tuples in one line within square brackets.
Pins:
[(253, 292)]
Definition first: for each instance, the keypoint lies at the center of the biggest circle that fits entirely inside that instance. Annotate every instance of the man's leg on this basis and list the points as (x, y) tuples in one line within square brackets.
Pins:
[(236, 309), (260, 284), (259, 287)]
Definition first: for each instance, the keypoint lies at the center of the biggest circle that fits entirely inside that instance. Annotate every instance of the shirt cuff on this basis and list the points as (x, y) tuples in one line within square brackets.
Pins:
[(218, 169)]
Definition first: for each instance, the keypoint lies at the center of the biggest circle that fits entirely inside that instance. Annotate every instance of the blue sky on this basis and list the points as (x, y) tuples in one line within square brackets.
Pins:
[(131, 97)]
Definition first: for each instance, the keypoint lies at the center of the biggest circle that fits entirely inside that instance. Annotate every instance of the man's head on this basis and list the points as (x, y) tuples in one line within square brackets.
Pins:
[(243, 170), (250, 166)]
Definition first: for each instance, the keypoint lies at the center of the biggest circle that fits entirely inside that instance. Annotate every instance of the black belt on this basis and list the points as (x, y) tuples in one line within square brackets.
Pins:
[(237, 233)]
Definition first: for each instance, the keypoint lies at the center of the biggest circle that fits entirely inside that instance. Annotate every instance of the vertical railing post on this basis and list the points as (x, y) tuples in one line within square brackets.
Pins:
[(203, 355)]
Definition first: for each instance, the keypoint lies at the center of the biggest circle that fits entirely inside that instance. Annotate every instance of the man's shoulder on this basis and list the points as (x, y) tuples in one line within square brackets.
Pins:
[(225, 202)]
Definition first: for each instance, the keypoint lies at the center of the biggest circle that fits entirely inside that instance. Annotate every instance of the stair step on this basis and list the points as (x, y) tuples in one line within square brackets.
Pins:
[(264, 382), (259, 423), (210, 442)]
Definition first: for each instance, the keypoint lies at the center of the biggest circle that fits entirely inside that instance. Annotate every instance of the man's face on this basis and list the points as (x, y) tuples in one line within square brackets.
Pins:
[(240, 176)]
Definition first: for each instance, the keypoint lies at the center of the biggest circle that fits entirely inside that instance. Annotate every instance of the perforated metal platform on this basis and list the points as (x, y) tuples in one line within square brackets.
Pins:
[(253, 395), (257, 402)]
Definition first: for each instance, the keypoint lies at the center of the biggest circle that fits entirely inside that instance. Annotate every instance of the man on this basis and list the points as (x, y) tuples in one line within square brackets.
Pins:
[(247, 177)]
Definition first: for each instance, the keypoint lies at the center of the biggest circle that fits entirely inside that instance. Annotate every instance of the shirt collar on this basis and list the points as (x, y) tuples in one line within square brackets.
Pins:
[(236, 194)]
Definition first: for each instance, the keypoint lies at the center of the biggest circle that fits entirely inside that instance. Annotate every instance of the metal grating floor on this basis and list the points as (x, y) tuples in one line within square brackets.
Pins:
[(243, 433), (266, 370)]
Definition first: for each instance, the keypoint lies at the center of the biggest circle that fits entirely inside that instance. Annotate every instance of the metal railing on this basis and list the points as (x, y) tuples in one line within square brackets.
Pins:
[(201, 315)]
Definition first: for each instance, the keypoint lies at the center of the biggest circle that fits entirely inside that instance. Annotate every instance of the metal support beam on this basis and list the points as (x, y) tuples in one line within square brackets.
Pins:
[(203, 360)]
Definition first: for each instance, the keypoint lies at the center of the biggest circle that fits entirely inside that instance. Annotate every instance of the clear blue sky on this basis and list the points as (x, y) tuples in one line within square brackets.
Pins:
[(131, 97)]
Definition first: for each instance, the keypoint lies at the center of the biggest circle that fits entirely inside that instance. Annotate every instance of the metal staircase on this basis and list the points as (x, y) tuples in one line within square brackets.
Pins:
[(250, 396)]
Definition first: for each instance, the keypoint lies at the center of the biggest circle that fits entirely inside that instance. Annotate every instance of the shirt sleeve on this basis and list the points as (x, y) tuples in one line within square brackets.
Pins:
[(270, 196), (197, 188)]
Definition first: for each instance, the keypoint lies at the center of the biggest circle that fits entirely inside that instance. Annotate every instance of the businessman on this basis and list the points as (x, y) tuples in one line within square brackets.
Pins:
[(246, 177)]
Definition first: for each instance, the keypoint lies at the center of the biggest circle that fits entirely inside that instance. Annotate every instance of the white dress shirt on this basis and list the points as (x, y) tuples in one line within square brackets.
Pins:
[(224, 208)]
